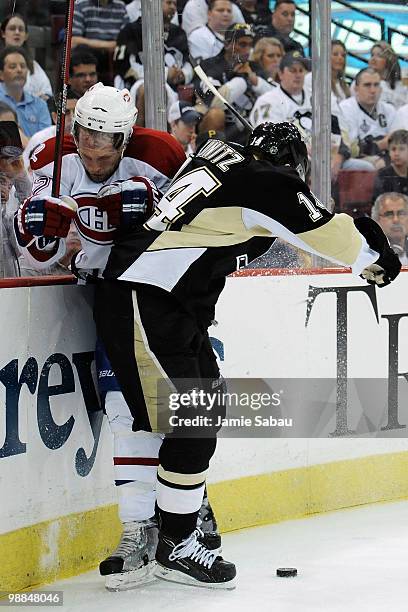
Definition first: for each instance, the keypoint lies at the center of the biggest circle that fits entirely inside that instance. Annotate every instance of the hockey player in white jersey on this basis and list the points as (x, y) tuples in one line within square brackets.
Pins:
[(110, 170)]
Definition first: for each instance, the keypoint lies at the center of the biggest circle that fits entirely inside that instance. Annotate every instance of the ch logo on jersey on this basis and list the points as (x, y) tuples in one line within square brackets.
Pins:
[(93, 223)]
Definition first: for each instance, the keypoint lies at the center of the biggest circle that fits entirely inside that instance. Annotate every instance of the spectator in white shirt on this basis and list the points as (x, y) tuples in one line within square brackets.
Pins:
[(368, 118), (385, 61), (289, 100), (208, 40), (195, 15)]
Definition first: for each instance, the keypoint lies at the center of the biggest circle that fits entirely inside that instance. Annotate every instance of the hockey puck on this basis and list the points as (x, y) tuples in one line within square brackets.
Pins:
[(286, 572)]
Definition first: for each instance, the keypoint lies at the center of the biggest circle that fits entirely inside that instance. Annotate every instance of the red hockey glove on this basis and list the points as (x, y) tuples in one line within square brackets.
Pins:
[(46, 216), (128, 203)]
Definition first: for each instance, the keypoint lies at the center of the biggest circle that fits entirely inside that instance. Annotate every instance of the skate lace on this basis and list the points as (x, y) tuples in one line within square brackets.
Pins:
[(132, 539), (193, 550)]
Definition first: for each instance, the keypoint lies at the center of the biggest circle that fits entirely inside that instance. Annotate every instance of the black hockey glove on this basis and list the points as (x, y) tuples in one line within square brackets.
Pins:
[(368, 146), (387, 267)]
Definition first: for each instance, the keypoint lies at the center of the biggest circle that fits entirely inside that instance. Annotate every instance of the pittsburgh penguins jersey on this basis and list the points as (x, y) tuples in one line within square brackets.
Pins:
[(222, 205), (278, 105), (128, 54), (149, 153), (360, 123)]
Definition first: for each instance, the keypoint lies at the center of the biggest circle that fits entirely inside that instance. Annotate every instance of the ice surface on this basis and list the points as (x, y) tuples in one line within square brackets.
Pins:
[(347, 561)]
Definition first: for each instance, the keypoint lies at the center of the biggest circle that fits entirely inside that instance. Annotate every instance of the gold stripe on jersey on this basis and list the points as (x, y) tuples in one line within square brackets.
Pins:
[(338, 239), (212, 227), (181, 479), (151, 374)]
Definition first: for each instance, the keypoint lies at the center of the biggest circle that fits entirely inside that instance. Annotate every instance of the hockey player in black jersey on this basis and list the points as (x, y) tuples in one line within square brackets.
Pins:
[(227, 204)]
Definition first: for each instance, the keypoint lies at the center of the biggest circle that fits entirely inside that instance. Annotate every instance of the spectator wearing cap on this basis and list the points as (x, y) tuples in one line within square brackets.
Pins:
[(394, 177), (32, 112), (208, 40), (281, 26), (289, 100), (231, 71), (183, 120)]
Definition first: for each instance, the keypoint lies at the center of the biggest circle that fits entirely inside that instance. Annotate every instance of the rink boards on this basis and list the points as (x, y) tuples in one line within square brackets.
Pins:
[(58, 514)]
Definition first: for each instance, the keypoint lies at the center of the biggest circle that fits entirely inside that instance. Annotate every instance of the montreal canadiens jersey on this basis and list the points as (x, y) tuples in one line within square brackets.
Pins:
[(223, 205), (149, 153)]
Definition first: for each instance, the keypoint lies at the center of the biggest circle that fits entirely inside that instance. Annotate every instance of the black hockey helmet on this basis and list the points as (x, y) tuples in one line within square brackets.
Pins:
[(282, 144)]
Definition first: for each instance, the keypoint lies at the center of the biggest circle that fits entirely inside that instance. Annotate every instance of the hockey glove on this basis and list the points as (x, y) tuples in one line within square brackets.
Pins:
[(368, 146), (128, 203), (388, 266), (45, 216)]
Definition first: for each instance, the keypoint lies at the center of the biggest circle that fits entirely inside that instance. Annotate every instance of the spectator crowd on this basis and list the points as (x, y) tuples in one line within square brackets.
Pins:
[(252, 55)]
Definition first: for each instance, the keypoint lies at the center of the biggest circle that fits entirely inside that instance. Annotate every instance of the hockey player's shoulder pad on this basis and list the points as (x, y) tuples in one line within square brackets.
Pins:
[(44, 153), (158, 149), (387, 267)]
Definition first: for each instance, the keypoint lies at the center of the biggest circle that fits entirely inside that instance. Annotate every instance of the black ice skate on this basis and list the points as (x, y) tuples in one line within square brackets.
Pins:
[(133, 562), (191, 562)]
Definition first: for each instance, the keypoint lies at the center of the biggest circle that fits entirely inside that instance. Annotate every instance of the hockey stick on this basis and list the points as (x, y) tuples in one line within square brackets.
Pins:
[(200, 73), (62, 101)]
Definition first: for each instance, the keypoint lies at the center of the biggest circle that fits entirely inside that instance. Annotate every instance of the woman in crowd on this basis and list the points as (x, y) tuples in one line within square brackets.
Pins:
[(14, 33), (339, 87), (384, 60), (339, 84), (266, 58)]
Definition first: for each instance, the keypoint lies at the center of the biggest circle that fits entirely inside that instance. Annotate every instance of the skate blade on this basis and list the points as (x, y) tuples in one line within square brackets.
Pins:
[(132, 579), (172, 575)]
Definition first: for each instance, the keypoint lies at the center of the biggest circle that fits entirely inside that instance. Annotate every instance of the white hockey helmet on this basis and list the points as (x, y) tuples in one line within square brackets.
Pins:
[(106, 109)]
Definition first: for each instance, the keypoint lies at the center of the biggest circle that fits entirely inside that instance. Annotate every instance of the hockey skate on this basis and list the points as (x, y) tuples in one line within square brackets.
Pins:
[(133, 562), (192, 562)]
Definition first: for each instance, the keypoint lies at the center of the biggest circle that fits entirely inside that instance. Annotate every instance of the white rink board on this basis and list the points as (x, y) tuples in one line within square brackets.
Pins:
[(262, 327), (43, 483)]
